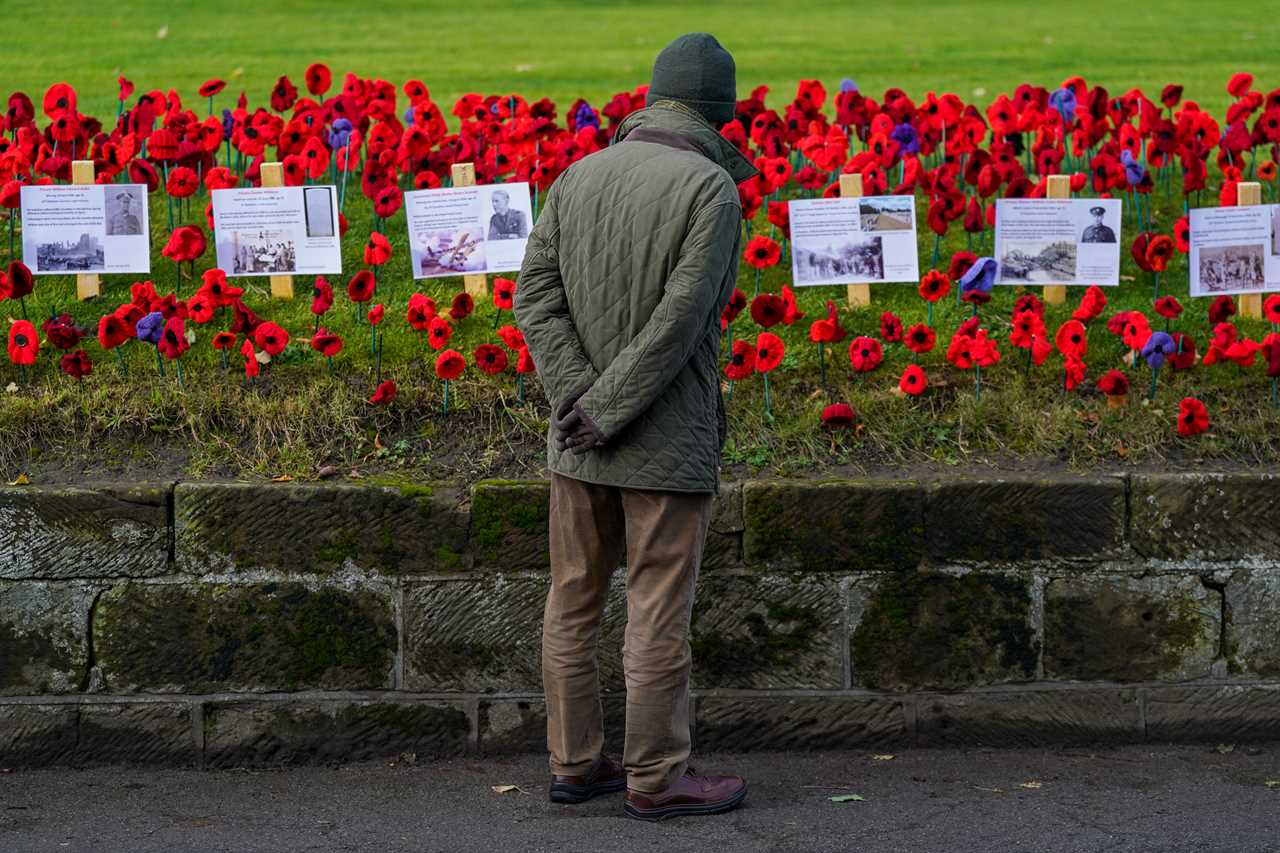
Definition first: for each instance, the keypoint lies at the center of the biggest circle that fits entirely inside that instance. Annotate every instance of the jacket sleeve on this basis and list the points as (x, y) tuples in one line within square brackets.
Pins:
[(542, 311), (648, 364)]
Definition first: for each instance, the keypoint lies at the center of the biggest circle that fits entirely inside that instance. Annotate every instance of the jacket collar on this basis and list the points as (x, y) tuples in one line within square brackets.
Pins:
[(675, 117)]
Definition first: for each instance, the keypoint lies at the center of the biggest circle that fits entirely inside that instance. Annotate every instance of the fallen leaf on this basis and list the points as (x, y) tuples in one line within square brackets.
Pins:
[(1225, 748), (991, 790), (507, 789), (20, 480), (410, 758), (1034, 786), (848, 798), (327, 471), (883, 757), (283, 478), (11, 388), (1272, 783)]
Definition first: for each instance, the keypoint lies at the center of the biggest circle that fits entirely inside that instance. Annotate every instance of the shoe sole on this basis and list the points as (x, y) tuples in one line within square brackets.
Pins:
[(572, 794), (655, 815)]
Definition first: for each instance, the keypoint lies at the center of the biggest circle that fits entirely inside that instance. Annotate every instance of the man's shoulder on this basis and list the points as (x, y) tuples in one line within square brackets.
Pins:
[(653, 167)]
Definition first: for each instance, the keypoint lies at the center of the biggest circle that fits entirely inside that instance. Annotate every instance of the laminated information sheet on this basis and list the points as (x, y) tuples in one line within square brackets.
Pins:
[(1058, 241), (1234, 250), (277, 231), (853, 240), (468, 230), (85, 228)]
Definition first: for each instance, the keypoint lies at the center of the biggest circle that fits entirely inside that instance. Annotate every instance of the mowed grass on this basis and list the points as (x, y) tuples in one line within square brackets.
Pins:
[(298, 420)]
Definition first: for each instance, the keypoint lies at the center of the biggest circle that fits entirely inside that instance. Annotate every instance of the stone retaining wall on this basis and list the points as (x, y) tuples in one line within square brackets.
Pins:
[(229, 624)]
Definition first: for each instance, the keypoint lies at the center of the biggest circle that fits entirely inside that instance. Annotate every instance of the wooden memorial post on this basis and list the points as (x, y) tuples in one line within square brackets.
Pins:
[(464, 175), (272, 175), (859, 294), (88, 285), (1249, 194), (1059, 187)]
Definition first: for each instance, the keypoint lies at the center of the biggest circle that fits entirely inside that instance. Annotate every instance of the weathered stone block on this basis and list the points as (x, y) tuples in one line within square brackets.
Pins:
[(269, 636), (509, 525), (155, 733), (70, 532), (723, 549), (37, 735), (1253, 626), (44, 637), (837, 526), (742, 723), (479, 635), (1012, 520), (768, 632), (515, 726), (1221, 714), (266, 734), (1034, 718), (916, 630), (1205, 516), (1130, 629), (317, 528)]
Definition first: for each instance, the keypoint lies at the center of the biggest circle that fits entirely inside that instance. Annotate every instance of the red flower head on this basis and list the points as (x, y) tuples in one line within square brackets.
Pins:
[(827, 331), (251, 366), (790, 310), (23, 343), (185, 244), (1028, 302), (913, 381), (769, 352), (200, 307), (524, 361), (1271, 352), (317, 78), (935, 285), (215, 285), (182, 182), (462, 306), (62, 332), (326, 343), (270, 338), (421, 309), (1182, 234), (173, 340), (59, 100), (1184, 352), (1114, 383), (224, 341), (865, 354), (1238, 86), (1071, 339), (377, 251), (504, 291), (360, 287), (1219, 310), (762, 252), (890, 328), (1168, 307), (321, 296), (1027, 327), (737, 302), (742, 361), (209, 88), (1193, 417), (839, 416), (1139, 250), (1160, 249), (1092, 305), (376, 313), (512, 337), (388, 201), (283, 95), (1136, 330), (449, 365), (491, 359), (438, 332), (112, 331), (76, 364), (21, 281), (384, 393), (960, 263), (920, 339), (768, 309), (1271, 309)]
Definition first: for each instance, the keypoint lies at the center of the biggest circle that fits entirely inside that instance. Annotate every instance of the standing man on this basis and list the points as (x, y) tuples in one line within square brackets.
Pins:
[(624, 278)]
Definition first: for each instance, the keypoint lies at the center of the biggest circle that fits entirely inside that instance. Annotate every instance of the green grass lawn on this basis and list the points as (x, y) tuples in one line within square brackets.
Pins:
[(298, 420)]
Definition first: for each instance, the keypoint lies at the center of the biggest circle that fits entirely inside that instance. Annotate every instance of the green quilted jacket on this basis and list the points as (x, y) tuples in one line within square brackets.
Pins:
[(631, 262)]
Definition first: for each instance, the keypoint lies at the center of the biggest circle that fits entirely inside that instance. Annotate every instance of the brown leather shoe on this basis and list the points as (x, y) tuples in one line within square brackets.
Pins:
[(690, 795), (606, 777)]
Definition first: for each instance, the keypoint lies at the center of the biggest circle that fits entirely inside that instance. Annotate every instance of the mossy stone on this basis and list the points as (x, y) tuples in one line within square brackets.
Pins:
[(509, 525)]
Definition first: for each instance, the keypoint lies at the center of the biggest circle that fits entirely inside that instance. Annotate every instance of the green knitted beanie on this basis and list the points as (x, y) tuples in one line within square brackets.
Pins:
[(696, 71)]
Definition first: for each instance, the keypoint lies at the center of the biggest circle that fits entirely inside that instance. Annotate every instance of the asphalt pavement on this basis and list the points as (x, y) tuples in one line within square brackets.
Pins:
[(1149, 799)]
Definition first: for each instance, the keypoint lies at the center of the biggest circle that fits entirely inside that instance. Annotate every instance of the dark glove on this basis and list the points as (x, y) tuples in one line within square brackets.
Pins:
[(571, 430)]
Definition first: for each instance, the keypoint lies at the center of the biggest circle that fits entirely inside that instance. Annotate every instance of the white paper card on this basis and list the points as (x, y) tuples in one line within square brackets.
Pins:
[(468, 230), (72, 229), (277, 231), (853, 240), (1234, 250), (1058, 241)]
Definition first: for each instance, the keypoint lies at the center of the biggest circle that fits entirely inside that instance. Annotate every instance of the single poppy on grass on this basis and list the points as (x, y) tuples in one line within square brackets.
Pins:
[(1026, 327), (220, 292), (769, 352), (1114, 384), (1193, 417), (1220, 309), (761, 252), (1271, 309), (221, 178), (200, 308), (736, 305), (768, 309), (270, 338), (327, 344), (112, 331), (790, 310), (1136, 330), (321, 297), (182, 182), (934, 286), (920, 339), (388, 201), (1072, 339), (438, 332), (186, 243), (252, 367), (384, 393), (21, 281), (210, 88), (1182, 234), (512, 337), (1238, 86), (317, 78), (376, 314), (24, 345), (865, 354), (1184, 355), (449, 366), (913, 381), (890, 328), (827, 331), (742, 361), (1092, 304), (1168, 307), (62, 332), (491, 359), (421, 309), (504, 291), (360, 286), (838, 416), (173, 339), (462, 306), (377, 251), (283, 95), (76, 364), (59, 100)]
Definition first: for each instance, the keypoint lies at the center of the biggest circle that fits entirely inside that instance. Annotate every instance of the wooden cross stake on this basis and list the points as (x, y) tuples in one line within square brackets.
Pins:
[(88, 285), (859, 294), (464, 175), (1249, 194), (272, 175), (1059, 187)]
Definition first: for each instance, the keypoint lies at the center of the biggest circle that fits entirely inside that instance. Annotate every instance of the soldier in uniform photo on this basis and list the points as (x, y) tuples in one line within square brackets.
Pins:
[(122, 216), (506, 224), (1097, 232)]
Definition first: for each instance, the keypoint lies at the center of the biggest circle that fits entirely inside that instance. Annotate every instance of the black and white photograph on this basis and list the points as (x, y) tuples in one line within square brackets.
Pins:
[(124, 206), (262, 251), (861, 259), (448, 252), (82, 253), (506, 222), (1038, 261), (886, 213), (317, 206), (1098, 231), (1231, 269)]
